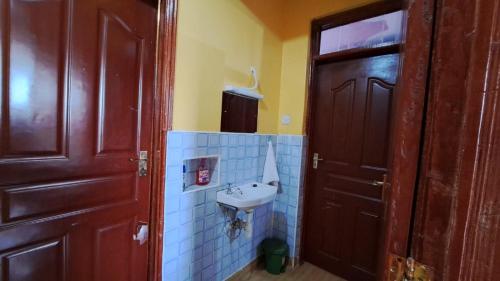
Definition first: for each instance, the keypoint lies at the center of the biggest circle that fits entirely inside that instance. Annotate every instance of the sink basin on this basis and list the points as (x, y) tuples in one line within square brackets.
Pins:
[(248, 196)]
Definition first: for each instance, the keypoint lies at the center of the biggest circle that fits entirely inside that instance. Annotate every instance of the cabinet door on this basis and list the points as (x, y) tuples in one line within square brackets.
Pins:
[(239, 114)]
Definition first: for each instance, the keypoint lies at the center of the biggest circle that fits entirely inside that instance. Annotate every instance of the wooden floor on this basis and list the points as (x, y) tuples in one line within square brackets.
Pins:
[(305, 272)]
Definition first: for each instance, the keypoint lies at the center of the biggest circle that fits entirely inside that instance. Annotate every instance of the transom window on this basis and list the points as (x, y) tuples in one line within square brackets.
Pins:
[(374, 32)]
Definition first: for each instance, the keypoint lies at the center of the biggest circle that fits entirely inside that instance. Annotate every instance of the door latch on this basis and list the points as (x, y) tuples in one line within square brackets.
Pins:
[(407, 269), (316, 159), (142, 163), (142, 233)]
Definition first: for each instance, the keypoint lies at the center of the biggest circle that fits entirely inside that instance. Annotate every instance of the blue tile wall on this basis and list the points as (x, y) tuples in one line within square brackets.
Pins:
[(195, 246)]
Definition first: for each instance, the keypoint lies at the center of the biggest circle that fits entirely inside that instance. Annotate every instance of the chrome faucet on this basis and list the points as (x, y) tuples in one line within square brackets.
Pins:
[(229, 189), (239, 191)]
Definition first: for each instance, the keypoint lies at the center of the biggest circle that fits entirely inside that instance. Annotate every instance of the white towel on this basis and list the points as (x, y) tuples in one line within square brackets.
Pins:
[(270, 168)]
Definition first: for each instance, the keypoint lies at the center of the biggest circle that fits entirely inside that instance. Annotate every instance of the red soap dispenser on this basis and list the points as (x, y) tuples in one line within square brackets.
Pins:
[(202, 174)]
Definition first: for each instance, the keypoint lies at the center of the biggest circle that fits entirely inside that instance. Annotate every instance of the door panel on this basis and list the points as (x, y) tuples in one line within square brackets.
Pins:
[(343, 99), (34, 93), (120, 65), (31, 201), (377, 124), (76, 98), (39, 262), (332, 210), (112, 258), (351, 132), (366, 235)]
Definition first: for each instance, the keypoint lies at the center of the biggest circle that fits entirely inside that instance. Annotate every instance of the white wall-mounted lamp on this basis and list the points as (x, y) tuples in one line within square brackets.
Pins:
[(251, 92)]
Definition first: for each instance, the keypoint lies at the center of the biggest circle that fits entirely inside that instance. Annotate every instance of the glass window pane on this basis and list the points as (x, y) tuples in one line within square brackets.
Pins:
[(370, 33)]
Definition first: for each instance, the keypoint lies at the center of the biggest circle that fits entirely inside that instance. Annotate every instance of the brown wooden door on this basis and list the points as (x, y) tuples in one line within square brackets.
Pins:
[(352, 113), (76, 97)]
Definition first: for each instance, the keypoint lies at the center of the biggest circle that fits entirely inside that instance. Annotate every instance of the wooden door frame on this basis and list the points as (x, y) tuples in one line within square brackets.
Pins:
[(408, 129), (407, 124), (163, 101), (458, 186)]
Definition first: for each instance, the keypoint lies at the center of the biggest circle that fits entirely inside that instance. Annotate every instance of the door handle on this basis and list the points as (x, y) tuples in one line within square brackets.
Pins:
[(380, 183), (142, 233), (316, 159)]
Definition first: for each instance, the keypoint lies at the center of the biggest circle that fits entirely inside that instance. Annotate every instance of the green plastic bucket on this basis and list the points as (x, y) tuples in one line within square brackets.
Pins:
[(276, 253)]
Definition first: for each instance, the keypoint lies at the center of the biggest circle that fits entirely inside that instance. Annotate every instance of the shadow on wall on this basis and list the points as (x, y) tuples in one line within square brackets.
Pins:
[(280, 226)]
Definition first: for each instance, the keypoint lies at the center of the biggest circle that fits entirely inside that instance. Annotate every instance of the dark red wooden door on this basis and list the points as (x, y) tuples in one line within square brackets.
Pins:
[(239, 114), (351, 132), (77, 83)]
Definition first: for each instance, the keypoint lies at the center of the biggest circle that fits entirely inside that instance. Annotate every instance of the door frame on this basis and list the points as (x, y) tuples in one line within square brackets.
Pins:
[(408, 117), (162, 114), (458, 185)]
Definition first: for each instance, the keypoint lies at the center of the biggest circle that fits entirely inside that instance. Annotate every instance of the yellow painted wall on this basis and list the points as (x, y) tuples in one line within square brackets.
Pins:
[(298, 15), (219, 40)]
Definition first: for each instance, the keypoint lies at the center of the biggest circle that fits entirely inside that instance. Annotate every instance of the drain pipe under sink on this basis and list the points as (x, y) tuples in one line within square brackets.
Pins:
[(249, 224)]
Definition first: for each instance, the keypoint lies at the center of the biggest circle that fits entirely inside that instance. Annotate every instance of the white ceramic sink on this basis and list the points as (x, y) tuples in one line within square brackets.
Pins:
[(247, 196)]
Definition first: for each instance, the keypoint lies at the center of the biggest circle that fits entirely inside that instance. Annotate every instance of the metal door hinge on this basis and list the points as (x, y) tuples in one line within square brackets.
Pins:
[(407, 269), (142, 162)]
